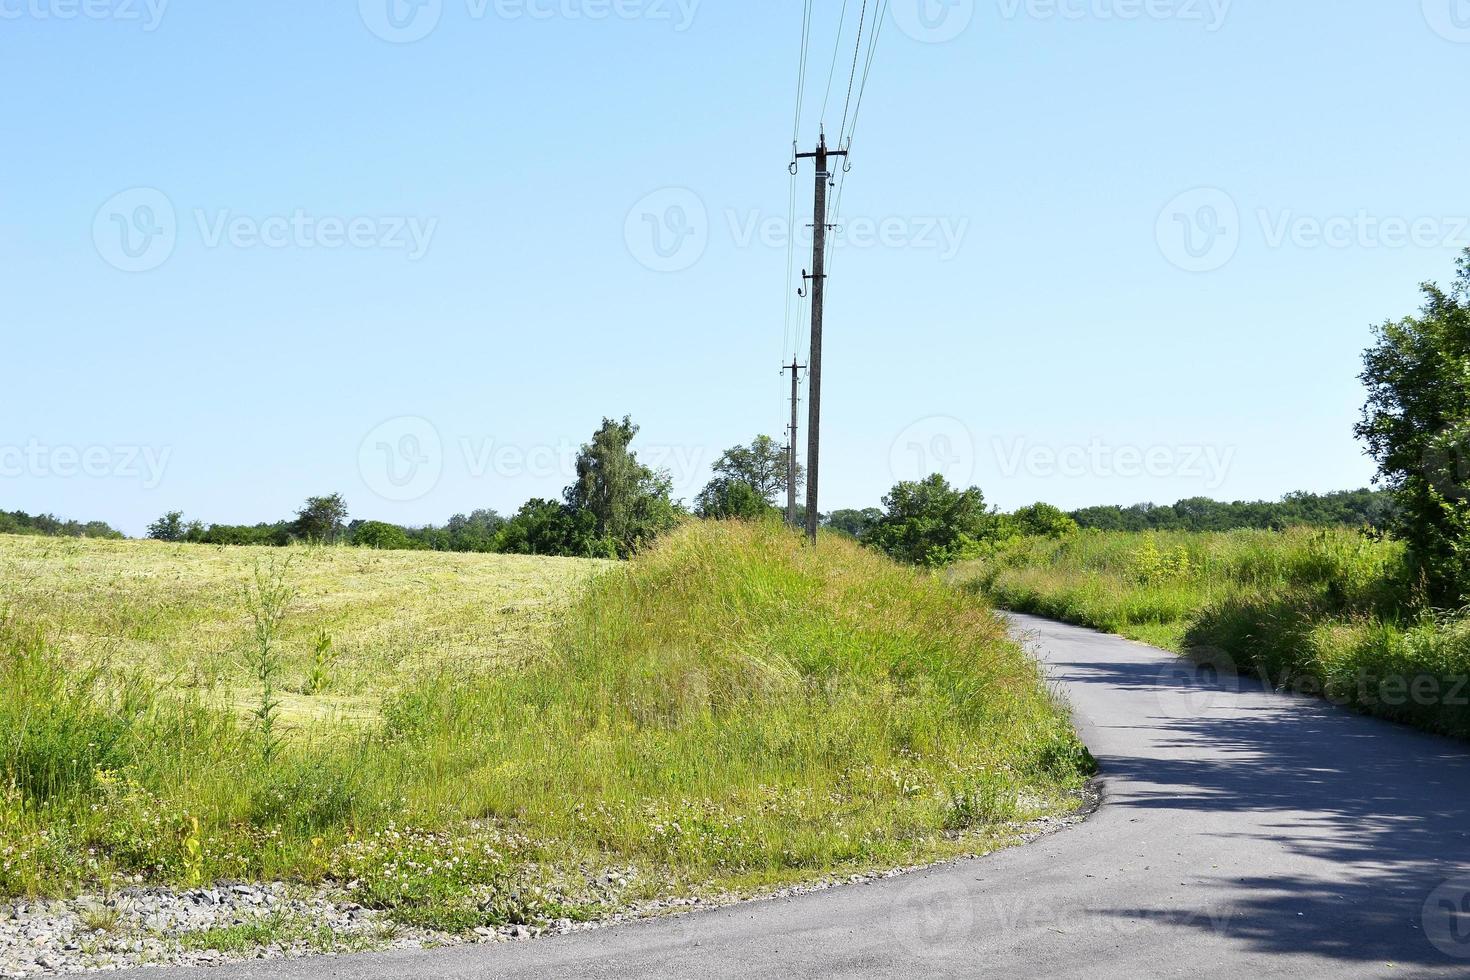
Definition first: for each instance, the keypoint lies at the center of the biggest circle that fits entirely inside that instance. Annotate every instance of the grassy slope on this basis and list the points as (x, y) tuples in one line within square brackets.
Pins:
[(729, 710), (177, 611), (1322, 612)]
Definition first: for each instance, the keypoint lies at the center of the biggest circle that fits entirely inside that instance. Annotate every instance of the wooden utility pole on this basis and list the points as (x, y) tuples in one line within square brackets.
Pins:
[(795, 370), (818, 279)]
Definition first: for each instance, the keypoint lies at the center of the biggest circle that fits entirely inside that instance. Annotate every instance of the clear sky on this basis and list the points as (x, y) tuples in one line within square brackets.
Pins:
[(1091, 251)]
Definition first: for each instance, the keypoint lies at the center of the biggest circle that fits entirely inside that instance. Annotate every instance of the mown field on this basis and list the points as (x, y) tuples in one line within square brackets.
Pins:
[(1334, 612), (469, 740)]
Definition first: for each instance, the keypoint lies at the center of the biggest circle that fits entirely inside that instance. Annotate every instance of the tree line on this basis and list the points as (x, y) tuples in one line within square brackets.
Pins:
[(48, 525), (616, 505)]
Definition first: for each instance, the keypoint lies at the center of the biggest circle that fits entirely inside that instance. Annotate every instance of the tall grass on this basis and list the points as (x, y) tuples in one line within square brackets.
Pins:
[(1330, 612), (730, 709)]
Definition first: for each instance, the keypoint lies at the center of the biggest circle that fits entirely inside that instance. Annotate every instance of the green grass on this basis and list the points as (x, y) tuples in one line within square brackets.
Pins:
[(731, 710), (1329, 612), (282, 930)]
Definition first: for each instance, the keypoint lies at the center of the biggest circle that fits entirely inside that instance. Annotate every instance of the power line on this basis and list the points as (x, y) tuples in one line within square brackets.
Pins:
[(857, 50), (836, 49), (806, 32), (867, 68), (787, 286), (857, 108)]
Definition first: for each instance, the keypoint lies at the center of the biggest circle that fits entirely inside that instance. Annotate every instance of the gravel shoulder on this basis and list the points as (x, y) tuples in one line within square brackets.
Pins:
[(238, 924)]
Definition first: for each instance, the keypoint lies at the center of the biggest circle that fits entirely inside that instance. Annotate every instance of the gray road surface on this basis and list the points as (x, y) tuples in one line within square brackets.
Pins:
[(1242, 834)]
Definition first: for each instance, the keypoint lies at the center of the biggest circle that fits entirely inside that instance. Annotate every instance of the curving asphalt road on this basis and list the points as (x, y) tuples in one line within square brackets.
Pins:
[(1242, 834)]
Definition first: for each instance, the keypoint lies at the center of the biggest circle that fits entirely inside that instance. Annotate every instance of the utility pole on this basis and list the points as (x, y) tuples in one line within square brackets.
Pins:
[(795, 370), (818, 279)]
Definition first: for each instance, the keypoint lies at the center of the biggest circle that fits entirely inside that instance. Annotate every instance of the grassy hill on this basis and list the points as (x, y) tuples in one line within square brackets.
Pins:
[(463, 740)]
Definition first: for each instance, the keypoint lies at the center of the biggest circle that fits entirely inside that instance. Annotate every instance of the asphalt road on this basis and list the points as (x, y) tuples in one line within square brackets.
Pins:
[(1242, 834)]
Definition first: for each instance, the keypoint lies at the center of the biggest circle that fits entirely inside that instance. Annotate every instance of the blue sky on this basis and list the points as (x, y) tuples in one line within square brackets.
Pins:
[(1091, 251)]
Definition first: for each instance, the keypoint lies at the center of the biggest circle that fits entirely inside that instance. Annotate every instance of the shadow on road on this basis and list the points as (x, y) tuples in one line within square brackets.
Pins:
[(1384, 806)]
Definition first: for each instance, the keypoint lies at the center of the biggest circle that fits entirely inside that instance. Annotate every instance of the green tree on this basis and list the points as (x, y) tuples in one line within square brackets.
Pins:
[(932, 523), (762, 465), (1043, 521), (727, 499), (629, 503), (322, 519), (854, 523), (169, 527), (548, 527), (384, 537), (1416, 423)]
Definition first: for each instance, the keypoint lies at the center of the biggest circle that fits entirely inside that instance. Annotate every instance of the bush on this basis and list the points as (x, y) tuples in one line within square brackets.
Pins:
[(931, 523)]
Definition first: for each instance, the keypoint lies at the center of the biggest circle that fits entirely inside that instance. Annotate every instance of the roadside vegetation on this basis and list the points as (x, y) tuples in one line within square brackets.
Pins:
[(449, 740), (1376, 618), (1333, 613)]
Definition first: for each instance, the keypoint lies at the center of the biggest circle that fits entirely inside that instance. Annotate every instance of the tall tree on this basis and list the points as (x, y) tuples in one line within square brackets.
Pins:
[(169, 527), (628, 501), (1417, 426), (762, 465), (322, 519)]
